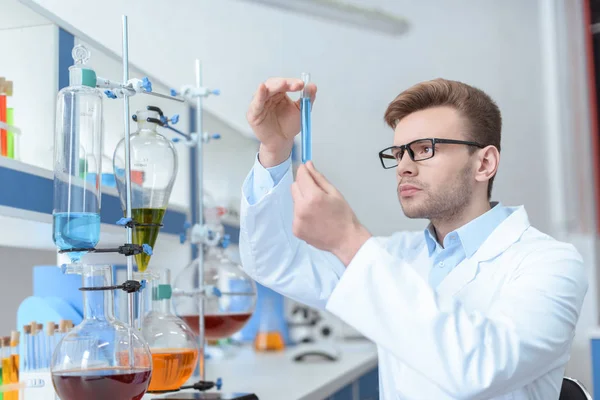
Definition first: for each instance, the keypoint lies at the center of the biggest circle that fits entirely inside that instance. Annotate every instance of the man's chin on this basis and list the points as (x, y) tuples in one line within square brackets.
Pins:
[(411, 209)]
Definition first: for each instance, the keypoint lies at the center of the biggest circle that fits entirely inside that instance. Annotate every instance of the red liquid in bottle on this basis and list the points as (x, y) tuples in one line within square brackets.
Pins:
[(218, 326), (102, 384)]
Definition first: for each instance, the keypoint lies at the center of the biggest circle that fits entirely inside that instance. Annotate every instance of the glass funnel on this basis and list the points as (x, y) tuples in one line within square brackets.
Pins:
[(78, 160), (229, 295), (101, 358), (153, 171), (172, 343)]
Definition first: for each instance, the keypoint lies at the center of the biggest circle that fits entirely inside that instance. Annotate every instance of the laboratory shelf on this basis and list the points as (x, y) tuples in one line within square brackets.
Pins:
[(26, 202)]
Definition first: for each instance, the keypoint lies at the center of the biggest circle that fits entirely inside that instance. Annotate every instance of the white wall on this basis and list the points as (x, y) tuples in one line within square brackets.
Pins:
[(30, 61), (358, 73)]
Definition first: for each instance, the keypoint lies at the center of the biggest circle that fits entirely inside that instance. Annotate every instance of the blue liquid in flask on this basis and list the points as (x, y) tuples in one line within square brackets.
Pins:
[(79, 230), (306, 130)]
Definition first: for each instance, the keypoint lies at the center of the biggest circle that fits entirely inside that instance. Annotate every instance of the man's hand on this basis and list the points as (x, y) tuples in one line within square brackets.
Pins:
[(275, 118), (323, 218)]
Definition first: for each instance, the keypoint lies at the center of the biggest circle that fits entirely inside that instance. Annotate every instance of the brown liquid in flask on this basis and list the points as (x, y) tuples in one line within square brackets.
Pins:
[(218, 326), (102, 384)]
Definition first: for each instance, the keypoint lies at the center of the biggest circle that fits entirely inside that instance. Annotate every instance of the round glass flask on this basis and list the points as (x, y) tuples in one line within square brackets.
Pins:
[(172, 343), (229, 295), (101, 358), (153, 172), (78, 160)]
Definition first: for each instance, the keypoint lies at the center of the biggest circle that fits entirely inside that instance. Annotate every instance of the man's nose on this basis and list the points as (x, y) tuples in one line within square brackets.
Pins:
[(406, 166)]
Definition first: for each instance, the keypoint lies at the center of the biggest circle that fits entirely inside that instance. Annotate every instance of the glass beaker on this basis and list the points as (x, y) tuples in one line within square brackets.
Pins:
[(78, 160), (268, 337), (101, 358), (153, 172), (172, 343), (229, 295)]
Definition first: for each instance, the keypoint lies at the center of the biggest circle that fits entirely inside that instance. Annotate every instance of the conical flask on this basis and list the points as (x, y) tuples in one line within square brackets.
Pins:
[(101, 358), (153, 171), (172, 343)]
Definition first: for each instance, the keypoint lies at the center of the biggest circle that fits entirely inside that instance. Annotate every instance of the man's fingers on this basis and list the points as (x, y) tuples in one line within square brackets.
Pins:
[(319, 179), (296, 192), (283, 85), (306, 182), (312, 91), (257, 104)]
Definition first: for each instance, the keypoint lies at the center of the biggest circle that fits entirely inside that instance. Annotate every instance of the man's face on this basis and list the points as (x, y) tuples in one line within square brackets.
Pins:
[(440, 187)]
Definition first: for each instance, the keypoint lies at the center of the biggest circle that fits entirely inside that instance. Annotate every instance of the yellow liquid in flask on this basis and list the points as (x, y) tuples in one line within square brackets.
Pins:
[(146, 234)]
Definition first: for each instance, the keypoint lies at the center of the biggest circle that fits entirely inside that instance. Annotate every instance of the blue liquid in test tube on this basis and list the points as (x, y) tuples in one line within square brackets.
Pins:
[(306, 133)]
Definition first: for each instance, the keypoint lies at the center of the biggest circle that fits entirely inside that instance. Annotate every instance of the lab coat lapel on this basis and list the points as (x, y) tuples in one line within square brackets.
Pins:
[(507, 233)]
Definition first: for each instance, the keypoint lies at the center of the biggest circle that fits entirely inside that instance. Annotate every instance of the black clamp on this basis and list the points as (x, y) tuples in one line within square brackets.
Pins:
[(127, 286), (128, 249), (130, 223), (203, 386)]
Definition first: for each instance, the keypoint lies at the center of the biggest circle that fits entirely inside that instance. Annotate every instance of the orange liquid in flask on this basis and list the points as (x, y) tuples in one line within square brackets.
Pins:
[(171, 368), (269, 341)]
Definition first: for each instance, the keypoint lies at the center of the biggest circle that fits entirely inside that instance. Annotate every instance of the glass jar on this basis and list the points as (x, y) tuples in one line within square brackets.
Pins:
[(101, 358), (78, 160)]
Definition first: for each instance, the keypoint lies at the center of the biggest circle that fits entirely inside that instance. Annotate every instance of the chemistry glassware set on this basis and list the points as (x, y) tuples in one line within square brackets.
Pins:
[(102, 357)]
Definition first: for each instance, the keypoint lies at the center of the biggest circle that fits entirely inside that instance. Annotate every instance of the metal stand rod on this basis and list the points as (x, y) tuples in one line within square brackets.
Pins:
[(129, 238), (200, 218)]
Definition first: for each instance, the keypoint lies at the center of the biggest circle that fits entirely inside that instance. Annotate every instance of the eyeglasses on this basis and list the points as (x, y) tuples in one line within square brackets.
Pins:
[(418, 150)]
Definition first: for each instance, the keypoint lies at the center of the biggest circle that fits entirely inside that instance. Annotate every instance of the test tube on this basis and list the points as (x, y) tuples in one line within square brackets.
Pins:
[(2, 383), (40, 345), (305, 107), (6, 367), (49, 343), (14, 356), (34, 349), (26, 348)]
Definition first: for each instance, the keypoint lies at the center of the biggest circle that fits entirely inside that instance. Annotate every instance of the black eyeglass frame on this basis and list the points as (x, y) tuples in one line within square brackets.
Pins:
[(405, 148)]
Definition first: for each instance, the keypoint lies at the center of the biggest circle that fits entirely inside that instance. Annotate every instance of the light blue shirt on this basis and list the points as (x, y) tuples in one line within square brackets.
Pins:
[(262, 179), (459, 244)]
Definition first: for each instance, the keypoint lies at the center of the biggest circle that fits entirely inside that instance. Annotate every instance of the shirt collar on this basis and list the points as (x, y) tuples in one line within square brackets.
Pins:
[(474, 233)]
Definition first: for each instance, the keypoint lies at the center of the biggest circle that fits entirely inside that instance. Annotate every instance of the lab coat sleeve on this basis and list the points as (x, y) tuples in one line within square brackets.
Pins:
[(273, 256), (261, 179), (526, 332)]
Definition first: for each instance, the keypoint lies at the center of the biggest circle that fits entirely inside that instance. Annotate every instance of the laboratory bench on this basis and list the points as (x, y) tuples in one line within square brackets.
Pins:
[(275, 376)]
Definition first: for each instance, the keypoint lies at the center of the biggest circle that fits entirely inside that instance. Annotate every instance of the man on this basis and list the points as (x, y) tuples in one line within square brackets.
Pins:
[(479, 305)]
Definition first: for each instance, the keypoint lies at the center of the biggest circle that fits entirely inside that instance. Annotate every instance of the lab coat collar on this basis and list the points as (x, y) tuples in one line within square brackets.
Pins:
[(508, 232)]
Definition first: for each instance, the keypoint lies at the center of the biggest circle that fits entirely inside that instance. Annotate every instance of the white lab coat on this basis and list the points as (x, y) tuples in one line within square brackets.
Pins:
[(499, 326)]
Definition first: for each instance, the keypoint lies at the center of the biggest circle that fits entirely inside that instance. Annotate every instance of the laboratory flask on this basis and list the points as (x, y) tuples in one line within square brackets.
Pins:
[(172, 343), (78, 160), (229, 294), (153, 171), (101, 358)]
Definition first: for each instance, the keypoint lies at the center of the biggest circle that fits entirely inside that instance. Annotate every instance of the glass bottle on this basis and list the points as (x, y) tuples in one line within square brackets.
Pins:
[(172, 343), (78, 160), (229, 295), (153, 172), (101, 358)]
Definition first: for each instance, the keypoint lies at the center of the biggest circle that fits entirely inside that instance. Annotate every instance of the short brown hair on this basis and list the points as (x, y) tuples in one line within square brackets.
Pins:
[(481, 112)]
